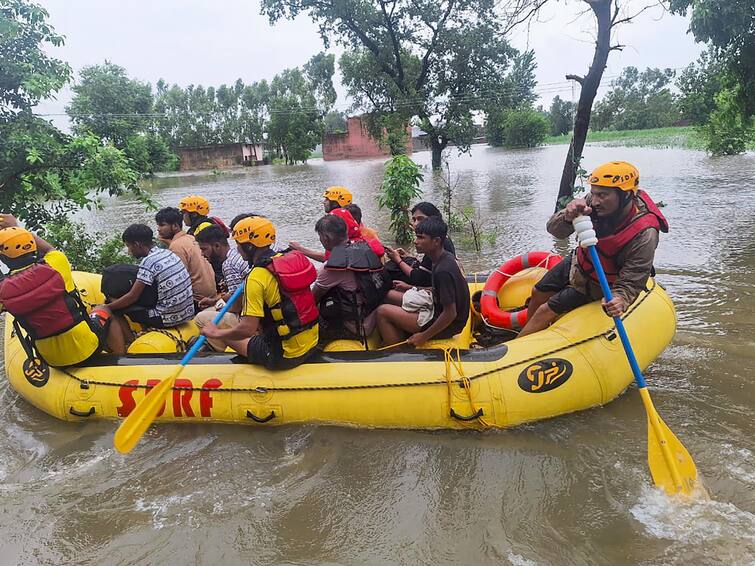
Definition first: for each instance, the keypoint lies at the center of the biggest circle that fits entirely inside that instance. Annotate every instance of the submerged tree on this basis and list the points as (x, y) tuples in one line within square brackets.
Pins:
[(437, 61)]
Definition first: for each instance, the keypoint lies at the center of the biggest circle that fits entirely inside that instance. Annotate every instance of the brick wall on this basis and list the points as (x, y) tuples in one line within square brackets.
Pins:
[(209, 157), (354, 144)]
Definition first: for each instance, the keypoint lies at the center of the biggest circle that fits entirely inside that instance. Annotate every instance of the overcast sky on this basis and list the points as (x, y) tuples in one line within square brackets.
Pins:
[(212, 42)]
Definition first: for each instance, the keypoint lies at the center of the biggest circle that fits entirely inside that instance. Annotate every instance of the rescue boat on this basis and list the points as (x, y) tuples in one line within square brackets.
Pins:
[(576, 364)]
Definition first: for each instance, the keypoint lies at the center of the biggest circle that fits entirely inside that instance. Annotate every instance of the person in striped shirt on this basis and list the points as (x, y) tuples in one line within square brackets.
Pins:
[(160, 268), (214, 245)]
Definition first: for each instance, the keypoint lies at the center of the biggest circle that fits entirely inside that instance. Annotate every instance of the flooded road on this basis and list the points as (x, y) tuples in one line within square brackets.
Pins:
[(571, 490)]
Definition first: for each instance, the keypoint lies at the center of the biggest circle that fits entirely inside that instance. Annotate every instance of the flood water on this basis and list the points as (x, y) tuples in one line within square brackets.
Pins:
[(571, 490)]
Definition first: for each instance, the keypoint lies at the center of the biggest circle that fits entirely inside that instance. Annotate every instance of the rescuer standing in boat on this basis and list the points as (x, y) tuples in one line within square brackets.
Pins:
[(627, 223)]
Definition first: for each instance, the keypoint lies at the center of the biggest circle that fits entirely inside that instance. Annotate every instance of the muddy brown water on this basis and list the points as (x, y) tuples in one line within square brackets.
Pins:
[(571, 490)]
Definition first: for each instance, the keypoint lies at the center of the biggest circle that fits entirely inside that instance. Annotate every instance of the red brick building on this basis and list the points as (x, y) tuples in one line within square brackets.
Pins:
[(355, 143)]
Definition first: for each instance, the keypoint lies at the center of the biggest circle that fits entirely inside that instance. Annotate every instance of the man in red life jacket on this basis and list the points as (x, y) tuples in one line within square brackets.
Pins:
[(627, 223), (42, 296), (278, 326)]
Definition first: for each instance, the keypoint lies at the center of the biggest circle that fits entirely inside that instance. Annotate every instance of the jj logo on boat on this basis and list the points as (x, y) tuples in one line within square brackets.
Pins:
[(36, 371), (545, 375)]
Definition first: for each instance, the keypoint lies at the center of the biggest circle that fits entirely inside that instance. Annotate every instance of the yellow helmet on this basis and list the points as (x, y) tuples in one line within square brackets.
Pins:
[(195, 203), (341, 195), (616, 174), (16, 242), (254, 230), (202, 226)]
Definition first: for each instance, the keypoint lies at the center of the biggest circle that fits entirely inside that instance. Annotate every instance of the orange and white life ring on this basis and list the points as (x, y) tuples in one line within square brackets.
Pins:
[(491, 312)]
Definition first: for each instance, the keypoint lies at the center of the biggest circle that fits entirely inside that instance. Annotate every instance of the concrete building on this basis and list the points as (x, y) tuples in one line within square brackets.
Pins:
[(355, 143), (220, 156)]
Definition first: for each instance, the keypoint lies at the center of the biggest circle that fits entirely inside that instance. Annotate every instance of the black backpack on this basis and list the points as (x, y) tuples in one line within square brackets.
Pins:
[(118, 279)]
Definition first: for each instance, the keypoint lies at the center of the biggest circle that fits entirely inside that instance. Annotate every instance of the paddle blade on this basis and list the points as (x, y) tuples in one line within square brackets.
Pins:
[(136, 424), (666, 464)]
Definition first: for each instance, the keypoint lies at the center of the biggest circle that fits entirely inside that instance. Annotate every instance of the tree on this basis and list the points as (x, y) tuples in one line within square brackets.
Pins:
[(638, 101), (436, 61), (608, 15), (43, 172), (698, 85), (517, 128), (109, 104), (335, 122), (729, 28), (561, 116), (400, 187), (727, 130), (295, 125)]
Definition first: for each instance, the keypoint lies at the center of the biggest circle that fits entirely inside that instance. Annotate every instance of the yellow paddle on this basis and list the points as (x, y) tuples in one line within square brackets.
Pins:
[(670, 464), (137, 422)]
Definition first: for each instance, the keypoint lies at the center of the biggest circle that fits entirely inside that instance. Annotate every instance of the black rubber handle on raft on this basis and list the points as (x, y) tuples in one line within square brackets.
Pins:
[(260, 420), (76, 413), (458, 417)]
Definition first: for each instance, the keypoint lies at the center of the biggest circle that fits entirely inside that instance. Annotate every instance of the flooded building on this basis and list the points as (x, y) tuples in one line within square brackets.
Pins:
[(220, 156), (354, 143)]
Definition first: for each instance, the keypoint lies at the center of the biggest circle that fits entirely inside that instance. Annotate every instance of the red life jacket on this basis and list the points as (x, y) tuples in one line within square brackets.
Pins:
[(297, 310), (609, 246), (38, 299)]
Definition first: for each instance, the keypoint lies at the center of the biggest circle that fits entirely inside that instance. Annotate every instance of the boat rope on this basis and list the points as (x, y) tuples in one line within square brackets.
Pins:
[(542, 263), (463, 380), (608, 334)]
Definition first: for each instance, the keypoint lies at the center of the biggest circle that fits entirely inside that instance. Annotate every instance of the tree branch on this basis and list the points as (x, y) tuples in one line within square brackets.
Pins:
[(433, 42), (580, 80), (395, 45)]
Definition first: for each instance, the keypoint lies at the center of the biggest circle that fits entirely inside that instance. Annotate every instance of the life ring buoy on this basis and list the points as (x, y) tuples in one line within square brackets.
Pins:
[(491, 312)]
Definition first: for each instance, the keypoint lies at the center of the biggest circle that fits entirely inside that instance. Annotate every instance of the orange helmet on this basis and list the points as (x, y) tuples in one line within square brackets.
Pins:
[(617, 175), (16, 242), (339, 194), (254, 230), (195, 203)]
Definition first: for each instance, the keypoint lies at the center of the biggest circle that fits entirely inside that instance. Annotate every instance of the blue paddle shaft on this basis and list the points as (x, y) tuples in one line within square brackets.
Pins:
[(617, 319), (218, 317)]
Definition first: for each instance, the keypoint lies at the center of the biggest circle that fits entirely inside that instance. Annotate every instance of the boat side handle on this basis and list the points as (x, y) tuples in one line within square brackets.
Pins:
[(261, 420), (475, 416), (76, 413)]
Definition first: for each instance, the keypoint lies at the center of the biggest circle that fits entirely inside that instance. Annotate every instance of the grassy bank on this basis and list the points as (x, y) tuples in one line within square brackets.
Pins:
[(685, 137)]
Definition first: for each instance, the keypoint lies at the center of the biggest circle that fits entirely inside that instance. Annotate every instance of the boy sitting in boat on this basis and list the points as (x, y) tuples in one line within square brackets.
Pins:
[(450, 294), (351, 284), (404, 267), (214, 245), (40, 293), (162, 269), (169, 229), (627, 223), (278, 327)]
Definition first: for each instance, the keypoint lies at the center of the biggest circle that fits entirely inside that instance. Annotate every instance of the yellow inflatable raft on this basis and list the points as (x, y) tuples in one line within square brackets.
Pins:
[(576, 364)]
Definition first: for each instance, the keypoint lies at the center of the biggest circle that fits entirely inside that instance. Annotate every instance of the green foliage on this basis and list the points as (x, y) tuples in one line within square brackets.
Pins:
[(335, 122), (109, 104), (637, 101), (698, 84), (729, 28), (390, 130), (400, 187), (85, 251), (437, 62), (516, 128), (471, 217), (44, 173), (561, 116), (148, 153), (288, 111), (27, 73), (295, 127), (727, 131)]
